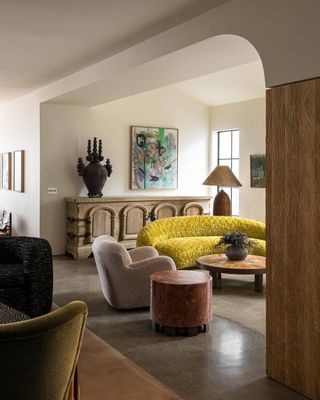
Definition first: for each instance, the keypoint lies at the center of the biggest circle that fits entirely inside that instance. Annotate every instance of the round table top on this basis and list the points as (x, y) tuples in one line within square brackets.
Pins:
[(220, 263), (181, 277)]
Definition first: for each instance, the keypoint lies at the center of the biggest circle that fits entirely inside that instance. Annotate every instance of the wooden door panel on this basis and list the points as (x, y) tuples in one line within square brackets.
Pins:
[(164, 210), (133, 219), (102, 222), (193, 209), (293, 251)]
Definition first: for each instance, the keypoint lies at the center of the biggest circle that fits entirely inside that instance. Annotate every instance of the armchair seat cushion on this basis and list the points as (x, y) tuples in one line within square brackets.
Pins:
[(11, 275)]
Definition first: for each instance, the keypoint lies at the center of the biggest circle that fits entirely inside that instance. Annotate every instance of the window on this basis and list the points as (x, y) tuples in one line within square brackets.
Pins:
[(225, 151)]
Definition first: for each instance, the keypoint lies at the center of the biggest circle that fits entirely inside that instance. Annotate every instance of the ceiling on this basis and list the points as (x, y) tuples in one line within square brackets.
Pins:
[(212, 56), (42, 41), (240, 83)]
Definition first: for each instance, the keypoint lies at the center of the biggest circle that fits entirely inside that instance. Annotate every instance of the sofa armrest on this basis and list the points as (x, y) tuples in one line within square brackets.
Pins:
[(36, 257), (154, 264), (141, 253)]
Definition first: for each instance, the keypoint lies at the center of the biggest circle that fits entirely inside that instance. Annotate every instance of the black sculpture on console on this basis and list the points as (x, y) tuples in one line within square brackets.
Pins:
[(94, 174)]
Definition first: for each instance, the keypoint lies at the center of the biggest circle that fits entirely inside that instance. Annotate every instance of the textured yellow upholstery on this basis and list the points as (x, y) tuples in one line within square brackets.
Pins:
[(186, 238)]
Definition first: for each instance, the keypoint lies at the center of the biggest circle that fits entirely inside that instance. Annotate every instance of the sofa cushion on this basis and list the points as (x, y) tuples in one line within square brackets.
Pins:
[(186, 250), (11, 275)]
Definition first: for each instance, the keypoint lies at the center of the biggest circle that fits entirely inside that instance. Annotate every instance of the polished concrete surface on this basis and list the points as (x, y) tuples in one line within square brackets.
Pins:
[(228, 362)]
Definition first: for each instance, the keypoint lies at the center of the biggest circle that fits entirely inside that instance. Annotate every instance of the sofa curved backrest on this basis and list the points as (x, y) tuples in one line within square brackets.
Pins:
[(198, 225), (39, 355)]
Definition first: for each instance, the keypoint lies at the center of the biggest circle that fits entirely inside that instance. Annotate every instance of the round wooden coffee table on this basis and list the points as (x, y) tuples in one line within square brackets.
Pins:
[(219, 263), (181, 302)]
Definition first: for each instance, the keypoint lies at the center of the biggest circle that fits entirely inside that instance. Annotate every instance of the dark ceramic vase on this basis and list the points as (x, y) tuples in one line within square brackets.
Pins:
[(235, 253), (94, 177), (94, 174)]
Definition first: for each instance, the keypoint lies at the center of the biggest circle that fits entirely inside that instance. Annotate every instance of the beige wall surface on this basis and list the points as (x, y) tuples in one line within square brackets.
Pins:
[(249, 117), (18, 131), (66, 129)]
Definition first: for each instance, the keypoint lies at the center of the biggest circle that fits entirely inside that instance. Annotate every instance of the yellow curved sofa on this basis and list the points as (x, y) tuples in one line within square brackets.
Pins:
[(184, 239)]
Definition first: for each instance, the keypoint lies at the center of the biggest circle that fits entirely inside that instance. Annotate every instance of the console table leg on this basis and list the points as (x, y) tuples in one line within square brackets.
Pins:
[(258, 279)]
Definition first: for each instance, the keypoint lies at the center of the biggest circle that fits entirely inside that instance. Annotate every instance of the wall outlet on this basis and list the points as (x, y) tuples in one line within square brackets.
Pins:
[(52, 190)]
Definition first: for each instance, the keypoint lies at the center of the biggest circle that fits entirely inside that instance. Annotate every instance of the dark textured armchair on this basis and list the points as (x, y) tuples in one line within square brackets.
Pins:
[(26, 276)]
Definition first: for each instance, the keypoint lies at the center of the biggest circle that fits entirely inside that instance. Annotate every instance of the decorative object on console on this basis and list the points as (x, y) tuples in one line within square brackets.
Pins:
[(154, 158), (224, 177), (258, 171), (6, 170), (124, 275), (239, 245), (94, 174), (18, 171)]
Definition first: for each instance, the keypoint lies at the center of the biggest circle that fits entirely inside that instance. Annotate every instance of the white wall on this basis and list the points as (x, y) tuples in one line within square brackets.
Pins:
[(65, 131), (249, 117), (19, 130)]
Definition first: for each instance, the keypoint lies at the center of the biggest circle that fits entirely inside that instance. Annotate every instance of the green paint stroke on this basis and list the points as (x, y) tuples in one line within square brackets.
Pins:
[(145, 172), (161, 136)]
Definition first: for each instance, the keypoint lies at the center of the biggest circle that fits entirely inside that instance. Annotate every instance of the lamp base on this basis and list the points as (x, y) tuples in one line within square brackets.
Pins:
[(222, 204)]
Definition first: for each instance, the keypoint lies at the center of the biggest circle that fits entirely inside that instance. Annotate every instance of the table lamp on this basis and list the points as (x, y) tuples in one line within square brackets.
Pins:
[(222, 176)]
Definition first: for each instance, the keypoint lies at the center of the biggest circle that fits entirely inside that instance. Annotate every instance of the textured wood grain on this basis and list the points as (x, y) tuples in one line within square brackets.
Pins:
[(293, 250), (220, 263)]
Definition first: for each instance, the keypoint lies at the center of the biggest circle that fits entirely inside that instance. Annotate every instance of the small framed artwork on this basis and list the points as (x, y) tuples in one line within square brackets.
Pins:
[(258, 171), (154, 158), (18, 171), (6, 170)]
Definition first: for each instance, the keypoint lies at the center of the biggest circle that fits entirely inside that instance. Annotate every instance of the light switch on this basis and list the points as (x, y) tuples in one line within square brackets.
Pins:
[(52, 190)]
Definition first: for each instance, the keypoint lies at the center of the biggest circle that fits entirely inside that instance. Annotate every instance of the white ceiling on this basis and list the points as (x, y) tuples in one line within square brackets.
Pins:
[(213, 55), (44, 40), (240, 83)]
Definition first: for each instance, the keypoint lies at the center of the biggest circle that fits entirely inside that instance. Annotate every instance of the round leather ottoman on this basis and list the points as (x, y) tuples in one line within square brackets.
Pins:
[(181, 302)]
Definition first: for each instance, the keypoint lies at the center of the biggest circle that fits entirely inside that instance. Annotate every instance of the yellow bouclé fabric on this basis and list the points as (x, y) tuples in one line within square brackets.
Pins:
[(184, 239)]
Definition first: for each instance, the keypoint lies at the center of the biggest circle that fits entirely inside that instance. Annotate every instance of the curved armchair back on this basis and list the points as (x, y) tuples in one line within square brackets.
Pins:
[(112, 260), (198, 225), (39, 356)]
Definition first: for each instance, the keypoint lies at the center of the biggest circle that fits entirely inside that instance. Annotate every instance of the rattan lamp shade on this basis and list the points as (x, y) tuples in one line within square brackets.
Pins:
[(222, 176)]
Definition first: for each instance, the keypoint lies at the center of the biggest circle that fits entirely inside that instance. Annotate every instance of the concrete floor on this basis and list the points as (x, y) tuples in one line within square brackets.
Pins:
[(228, 362)]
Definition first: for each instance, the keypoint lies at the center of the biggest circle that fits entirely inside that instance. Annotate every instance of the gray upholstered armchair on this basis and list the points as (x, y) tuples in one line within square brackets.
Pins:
[(124, 275)]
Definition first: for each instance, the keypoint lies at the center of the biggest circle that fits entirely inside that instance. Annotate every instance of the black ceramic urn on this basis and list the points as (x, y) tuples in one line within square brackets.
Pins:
[(94, 174)]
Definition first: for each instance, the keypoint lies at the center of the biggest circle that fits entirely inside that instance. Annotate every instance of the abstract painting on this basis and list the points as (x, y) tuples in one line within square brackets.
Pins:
[(154, 158), (258, 171)]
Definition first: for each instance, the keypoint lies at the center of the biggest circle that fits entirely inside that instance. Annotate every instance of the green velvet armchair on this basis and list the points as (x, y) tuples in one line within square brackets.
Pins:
[(39, 356)]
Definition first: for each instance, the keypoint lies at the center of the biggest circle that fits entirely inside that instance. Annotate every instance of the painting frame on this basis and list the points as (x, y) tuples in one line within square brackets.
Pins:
[(18, 171), (6, 171), (153, 158), (258, 171)]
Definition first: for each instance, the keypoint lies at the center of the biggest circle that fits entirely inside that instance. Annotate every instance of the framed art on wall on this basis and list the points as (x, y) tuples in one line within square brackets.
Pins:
[(258, 171), (18, 171), (6, 171), (154, 158)]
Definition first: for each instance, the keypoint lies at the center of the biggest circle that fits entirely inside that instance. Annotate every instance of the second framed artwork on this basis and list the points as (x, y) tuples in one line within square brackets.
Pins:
[(18, 171), (154, 158)]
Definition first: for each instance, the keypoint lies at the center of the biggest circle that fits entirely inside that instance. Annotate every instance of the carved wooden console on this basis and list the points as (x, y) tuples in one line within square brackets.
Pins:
[(122, 217)]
